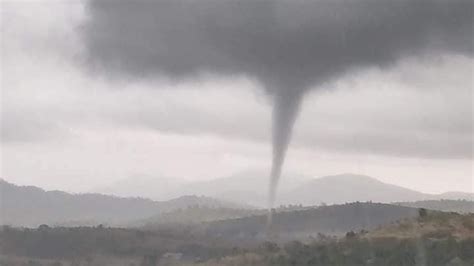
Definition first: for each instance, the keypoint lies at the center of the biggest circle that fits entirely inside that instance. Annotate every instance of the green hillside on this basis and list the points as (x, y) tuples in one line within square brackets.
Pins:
[(461, 206)]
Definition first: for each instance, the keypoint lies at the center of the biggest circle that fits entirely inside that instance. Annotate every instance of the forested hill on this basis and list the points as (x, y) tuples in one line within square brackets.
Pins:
[(460, 206), (333, 220)]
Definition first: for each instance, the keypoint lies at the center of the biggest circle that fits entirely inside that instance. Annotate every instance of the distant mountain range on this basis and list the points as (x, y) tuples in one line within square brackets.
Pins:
[(349, 188), (155, 188), (31, 206), (251, 188)]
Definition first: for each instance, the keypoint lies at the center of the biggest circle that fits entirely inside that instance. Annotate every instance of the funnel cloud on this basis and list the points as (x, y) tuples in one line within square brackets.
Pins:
[(288, 47)]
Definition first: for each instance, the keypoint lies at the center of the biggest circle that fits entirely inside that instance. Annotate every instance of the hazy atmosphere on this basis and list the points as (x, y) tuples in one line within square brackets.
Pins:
[(237, 132), (71, 123)]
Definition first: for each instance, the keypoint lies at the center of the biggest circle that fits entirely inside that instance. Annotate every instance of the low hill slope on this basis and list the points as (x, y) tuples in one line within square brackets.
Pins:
[(333, 220), (460, 206), (434, 238), (430, 224), (195, 215)]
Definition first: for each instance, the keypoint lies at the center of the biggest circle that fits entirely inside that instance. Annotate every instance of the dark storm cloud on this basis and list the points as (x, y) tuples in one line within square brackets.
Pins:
[(287, 46)]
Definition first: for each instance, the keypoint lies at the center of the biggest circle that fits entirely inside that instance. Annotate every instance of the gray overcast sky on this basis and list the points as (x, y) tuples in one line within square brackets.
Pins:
[(67, 128)]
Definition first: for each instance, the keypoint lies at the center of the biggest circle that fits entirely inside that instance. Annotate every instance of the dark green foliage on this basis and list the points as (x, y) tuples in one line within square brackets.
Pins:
[(350, 235), (422, 212), (468, 222), (81, 242), (441, 239), (59, 243), (460, 206), (269, 247), (390, 252)]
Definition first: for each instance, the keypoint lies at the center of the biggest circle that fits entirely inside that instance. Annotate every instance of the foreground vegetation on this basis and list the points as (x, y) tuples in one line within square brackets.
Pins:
[(432, 238), (360, 251)]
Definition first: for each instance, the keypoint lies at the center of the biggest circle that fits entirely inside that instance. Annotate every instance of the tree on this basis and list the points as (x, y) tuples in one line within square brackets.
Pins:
[(422, 212)]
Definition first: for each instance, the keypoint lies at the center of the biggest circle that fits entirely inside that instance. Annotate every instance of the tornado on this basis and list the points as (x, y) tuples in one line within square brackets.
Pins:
[(285, 110), (287, 47)]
